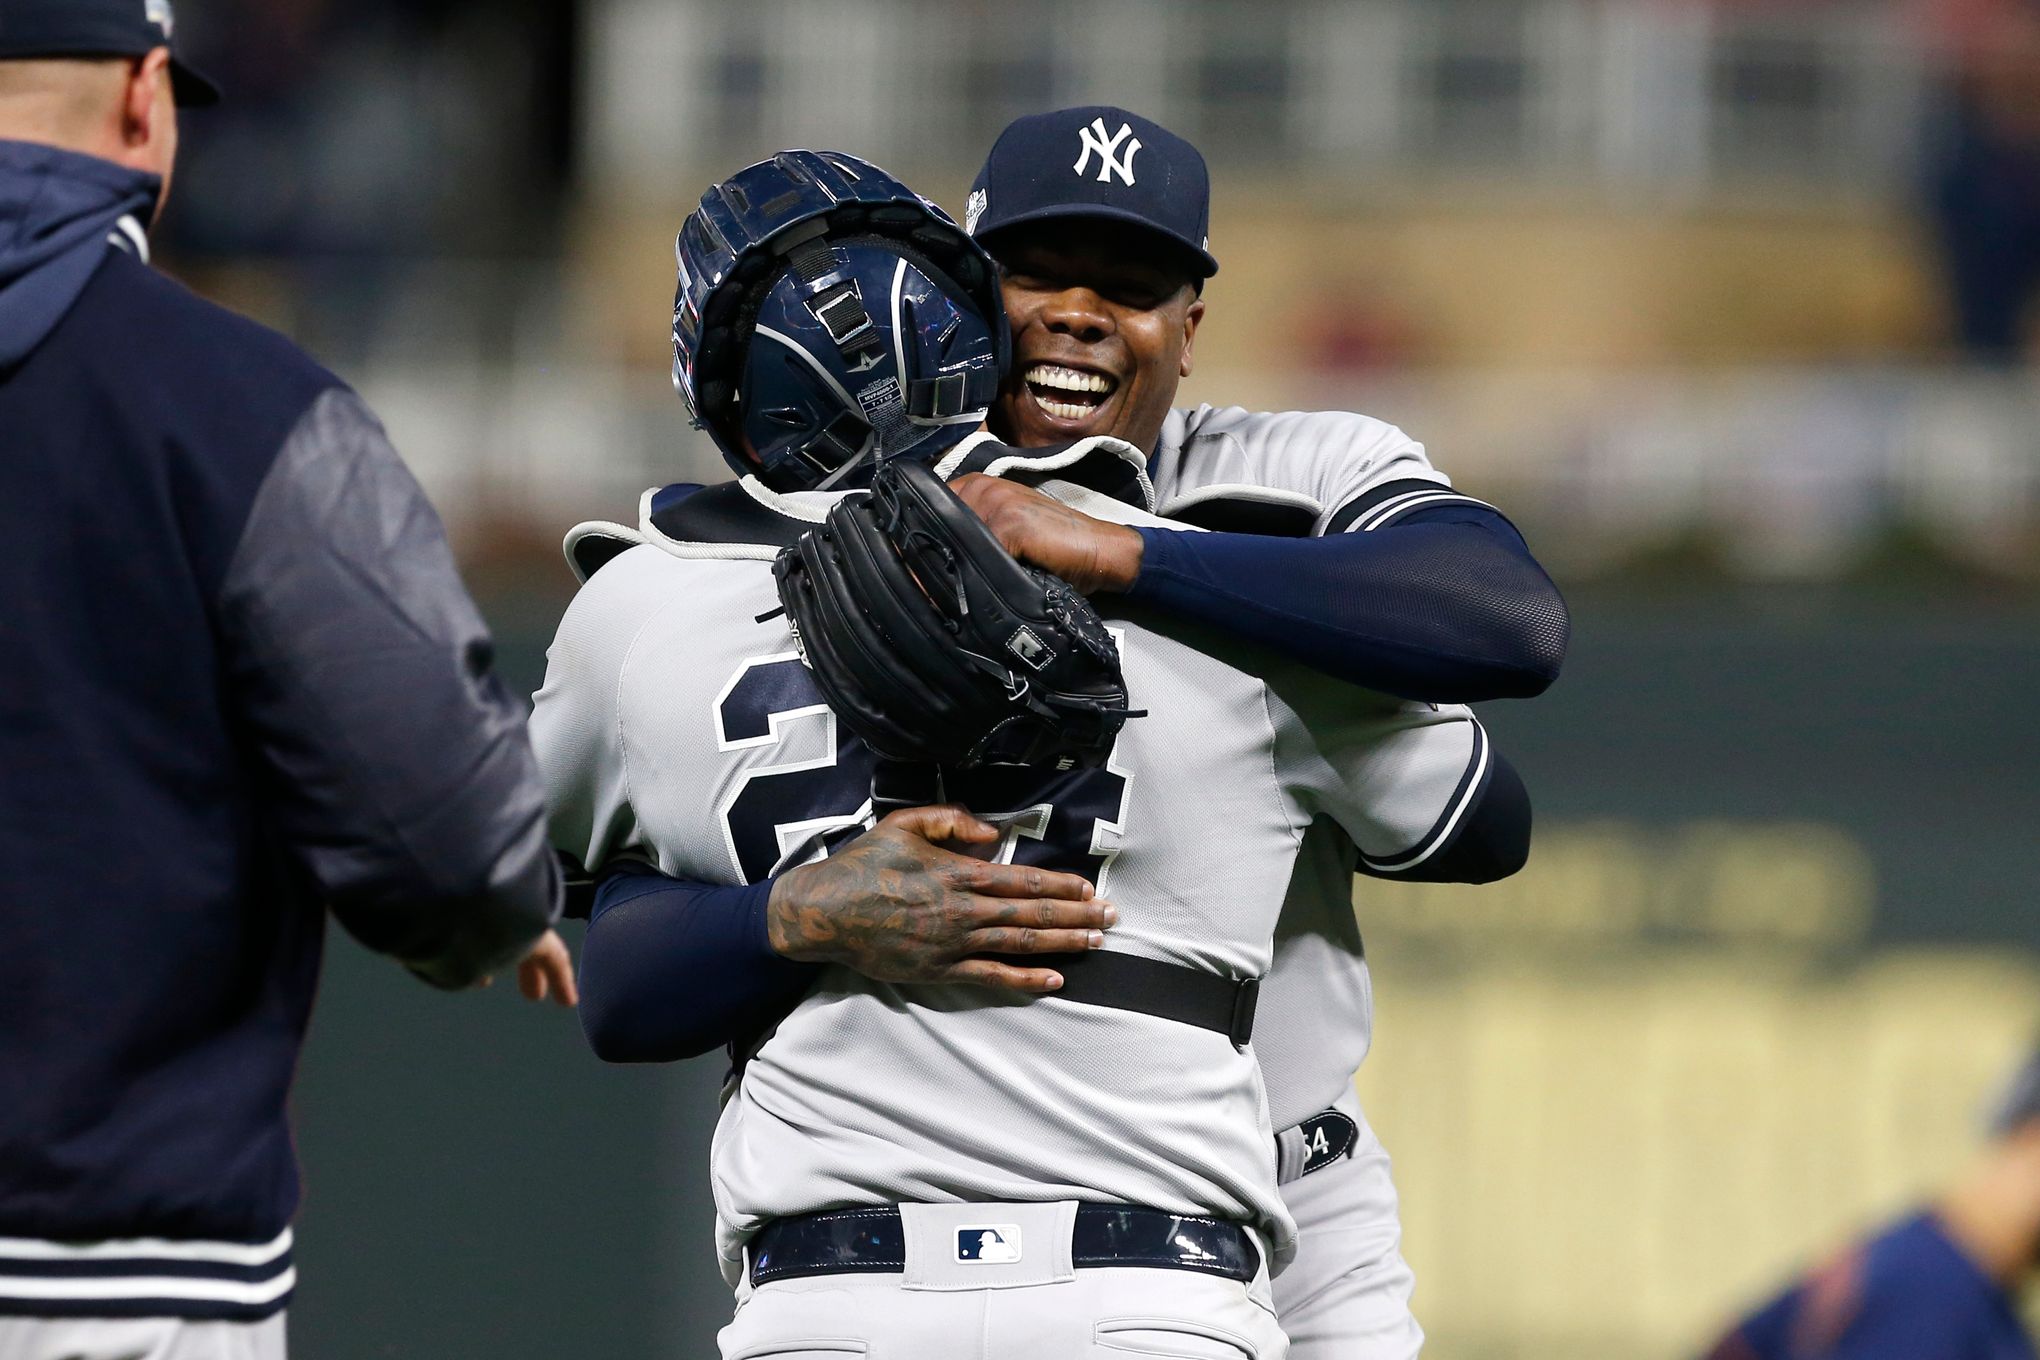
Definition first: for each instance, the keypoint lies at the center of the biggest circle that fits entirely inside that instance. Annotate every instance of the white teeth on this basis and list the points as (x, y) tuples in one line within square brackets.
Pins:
[(1068, 379), (1063, 410)]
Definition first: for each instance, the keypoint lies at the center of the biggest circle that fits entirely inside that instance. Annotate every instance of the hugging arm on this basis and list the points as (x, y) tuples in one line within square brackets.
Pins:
[(673, 968), (1489, 841), (1446, 606), (1413, 589)]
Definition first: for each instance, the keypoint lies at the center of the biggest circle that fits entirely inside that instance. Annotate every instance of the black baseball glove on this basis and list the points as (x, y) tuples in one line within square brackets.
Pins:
[(934, 645)]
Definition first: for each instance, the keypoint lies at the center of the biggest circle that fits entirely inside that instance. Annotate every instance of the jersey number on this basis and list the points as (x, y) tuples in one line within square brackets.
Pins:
[(780, 803), (1068, 822)]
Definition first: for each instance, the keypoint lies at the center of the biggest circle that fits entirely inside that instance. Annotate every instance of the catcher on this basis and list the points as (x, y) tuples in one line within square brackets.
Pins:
[(900, 1164)]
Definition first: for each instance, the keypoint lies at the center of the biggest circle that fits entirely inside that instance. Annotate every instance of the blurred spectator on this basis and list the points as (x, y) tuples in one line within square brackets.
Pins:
[(1985, 182), (362, 137), (1938, 1286), (1349, 330), (380, 127)]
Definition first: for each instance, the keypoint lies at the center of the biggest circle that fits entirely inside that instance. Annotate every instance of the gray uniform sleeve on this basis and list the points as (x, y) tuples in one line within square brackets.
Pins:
[(402, 778)]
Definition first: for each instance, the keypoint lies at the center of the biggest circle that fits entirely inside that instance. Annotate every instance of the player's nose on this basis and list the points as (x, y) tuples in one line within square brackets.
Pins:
[(1078, 313)]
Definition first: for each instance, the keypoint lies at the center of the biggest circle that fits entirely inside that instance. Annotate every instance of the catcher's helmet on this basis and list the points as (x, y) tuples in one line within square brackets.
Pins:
[(828, 316)]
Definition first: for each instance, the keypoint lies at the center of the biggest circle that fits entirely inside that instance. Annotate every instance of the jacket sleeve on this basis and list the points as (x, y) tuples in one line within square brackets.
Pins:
[(400, 775)]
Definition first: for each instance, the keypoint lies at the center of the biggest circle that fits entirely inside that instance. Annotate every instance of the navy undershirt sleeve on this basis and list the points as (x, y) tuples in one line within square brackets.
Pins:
[(673, 969), (1444, 606)]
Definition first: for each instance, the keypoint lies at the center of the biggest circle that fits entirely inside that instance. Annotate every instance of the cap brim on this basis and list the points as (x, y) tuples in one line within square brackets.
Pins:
[(190, 88), (1203, 258)]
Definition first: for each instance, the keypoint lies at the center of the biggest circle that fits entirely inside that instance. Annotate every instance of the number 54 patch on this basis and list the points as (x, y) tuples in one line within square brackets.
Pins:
[(1314, 1144)]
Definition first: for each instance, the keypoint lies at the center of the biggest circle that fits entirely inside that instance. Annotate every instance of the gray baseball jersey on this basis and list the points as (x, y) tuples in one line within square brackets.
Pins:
[(1315, 472), (675, 724)]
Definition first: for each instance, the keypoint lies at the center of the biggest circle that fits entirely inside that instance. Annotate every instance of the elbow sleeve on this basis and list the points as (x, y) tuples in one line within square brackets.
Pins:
[(1492, 840)]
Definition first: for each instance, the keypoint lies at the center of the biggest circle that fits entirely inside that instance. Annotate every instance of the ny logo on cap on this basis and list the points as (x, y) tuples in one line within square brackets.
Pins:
[(158, 12), (1110, 163), (975, 210)]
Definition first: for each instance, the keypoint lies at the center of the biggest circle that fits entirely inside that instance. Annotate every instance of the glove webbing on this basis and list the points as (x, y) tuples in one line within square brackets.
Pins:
[(894, 617)]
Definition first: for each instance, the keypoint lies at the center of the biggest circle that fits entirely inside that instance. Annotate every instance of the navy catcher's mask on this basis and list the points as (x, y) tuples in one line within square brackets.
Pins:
[(828, 317)]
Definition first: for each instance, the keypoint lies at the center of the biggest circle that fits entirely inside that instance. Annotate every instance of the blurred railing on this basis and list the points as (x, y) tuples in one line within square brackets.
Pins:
[(1645, 102), (1762, 474)]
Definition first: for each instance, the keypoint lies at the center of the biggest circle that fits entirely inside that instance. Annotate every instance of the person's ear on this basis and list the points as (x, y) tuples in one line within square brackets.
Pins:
[(147, 105), (1191, 316)]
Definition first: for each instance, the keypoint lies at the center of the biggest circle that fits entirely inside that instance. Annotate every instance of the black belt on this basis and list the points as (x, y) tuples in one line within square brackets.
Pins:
[(1099, 977), (1172, 991), (872, 1241)]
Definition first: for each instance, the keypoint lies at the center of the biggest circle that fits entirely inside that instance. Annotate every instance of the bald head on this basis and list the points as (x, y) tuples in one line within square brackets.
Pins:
[(119, 109)]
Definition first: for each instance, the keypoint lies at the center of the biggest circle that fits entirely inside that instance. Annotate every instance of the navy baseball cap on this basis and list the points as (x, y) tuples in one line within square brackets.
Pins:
[(1096, 161), (100, 28)]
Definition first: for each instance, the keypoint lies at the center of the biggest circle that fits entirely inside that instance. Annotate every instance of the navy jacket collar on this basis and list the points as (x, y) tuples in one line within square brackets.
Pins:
[(57, 210)]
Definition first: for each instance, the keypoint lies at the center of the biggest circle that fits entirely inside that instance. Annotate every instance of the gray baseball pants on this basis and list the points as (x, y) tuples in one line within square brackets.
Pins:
[(1346, 1296), (139, 1339)]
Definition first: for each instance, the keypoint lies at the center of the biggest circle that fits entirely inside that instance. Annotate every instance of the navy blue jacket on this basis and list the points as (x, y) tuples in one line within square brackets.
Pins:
[(240, 684), (1910, 1293)]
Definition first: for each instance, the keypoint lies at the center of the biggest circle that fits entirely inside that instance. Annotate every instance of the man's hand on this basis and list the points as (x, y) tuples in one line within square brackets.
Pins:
[(896, 906), (548, 970), (1091, 554)]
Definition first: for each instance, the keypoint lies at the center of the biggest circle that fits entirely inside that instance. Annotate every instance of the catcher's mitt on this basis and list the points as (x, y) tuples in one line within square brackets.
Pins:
[(934, 645)]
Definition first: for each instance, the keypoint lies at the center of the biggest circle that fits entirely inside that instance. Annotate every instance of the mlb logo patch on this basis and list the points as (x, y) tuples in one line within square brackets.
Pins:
[(988, 1243)]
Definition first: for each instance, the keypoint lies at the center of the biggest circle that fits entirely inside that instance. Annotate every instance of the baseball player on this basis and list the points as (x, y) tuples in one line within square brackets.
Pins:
[(990, 1147), (1380, 573), (1336, 544)]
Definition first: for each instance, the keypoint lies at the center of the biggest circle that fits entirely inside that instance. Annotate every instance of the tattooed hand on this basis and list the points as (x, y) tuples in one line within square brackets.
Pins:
[(896, 906)]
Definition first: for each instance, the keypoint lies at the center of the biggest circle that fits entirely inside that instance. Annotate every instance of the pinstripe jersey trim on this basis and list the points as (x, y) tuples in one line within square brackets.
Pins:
[(1440, 835), (1392, 501)]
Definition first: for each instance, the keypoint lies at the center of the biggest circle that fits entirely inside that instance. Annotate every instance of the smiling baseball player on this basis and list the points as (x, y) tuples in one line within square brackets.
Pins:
[(1337, 545), (1111, 1136), (1341, 547)]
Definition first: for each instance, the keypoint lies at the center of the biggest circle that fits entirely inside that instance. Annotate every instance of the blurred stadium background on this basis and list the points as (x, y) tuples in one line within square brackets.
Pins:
[(1731, 305)]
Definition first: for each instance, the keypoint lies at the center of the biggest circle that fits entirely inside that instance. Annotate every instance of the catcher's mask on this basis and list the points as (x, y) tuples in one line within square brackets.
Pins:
[(829, 317)]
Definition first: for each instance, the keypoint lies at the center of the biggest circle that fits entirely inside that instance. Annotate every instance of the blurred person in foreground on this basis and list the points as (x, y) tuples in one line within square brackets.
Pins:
[(1940, 1284), (243, 684)]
